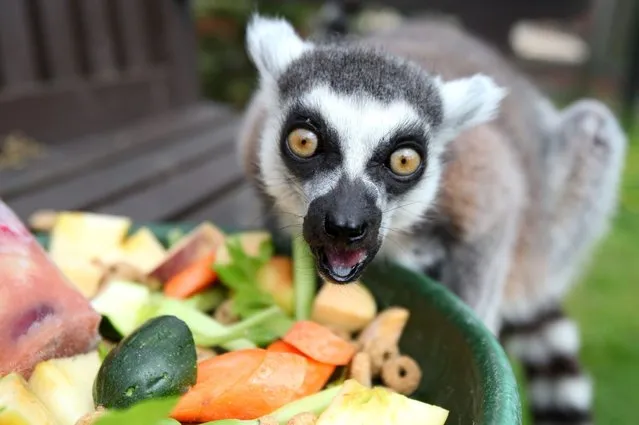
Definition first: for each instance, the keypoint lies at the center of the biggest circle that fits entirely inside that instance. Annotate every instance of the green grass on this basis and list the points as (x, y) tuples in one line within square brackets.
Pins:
[(606, 305)]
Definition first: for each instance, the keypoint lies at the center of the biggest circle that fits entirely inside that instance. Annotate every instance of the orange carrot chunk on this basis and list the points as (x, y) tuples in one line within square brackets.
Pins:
[(275, 382), (215, 376), (319, 343), (196, 277), (317, 374)]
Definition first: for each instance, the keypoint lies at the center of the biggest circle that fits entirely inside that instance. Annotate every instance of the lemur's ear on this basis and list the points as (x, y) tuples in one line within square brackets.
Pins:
[(273, 44), (468, 102)]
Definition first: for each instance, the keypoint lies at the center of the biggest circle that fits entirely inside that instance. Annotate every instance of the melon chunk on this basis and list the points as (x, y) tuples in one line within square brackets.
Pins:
[(357, 404), (42, 315), (19, 406), (203, 240), (65, 386)]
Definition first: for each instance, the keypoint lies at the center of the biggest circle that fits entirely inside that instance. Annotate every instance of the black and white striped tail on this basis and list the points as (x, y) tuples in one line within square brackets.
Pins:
[(559, 391)]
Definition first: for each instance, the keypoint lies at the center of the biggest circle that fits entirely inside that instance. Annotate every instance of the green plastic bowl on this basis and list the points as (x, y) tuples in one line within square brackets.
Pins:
[(464, 367)]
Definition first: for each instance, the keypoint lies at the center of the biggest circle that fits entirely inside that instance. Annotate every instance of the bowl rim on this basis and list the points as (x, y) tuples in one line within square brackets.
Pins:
[(502, 404)]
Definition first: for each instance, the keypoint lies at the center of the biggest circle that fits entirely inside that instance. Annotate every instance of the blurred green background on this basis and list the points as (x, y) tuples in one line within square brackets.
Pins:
[(606, 303)]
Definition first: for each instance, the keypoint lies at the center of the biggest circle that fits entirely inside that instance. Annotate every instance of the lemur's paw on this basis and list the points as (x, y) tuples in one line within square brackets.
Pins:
[(594, 128)]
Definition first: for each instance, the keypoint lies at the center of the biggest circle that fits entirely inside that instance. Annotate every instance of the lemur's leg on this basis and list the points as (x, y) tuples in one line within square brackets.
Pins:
[(592, 153), (585, 165), (482, 196)]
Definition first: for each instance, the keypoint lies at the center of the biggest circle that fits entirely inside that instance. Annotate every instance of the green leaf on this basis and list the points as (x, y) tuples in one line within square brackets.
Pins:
[(2, 408), (103, 349), (148, 412), (240, 275)]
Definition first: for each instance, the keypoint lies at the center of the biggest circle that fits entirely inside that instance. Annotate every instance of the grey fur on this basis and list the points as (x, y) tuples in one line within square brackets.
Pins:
[(349, 69)]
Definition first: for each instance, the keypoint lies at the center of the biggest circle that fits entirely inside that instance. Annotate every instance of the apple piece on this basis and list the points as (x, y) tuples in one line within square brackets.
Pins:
[(143, 250), (276, 278), (345, 307), (65, 386), (201, 241), (357, 404), (18, 404), (250, 242), (80, 236)]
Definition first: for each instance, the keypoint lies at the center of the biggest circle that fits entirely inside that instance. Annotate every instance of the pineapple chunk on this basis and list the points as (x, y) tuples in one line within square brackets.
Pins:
[(85, 276), (19, 406), (79, 236), (65, 386)]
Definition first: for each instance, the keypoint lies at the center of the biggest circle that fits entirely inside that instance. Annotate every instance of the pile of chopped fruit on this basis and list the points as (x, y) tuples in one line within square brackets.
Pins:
[(109, 327)]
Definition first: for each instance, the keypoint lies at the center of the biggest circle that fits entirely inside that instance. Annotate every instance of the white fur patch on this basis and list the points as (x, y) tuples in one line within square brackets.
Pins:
[(562, 337), (469, 102), (571, 392), (574, 392), (273, 44), (558, 337)]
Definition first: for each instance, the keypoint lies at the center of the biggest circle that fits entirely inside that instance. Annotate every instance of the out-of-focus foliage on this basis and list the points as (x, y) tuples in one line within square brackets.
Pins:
[(226, 73)]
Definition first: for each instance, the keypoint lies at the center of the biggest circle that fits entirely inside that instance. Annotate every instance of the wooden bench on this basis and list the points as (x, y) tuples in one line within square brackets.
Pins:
[(109, 88)]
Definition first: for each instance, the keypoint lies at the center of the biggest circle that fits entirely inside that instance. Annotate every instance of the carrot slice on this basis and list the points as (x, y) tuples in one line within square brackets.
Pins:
[(275, 382), (317, 374), (319, 343), (193, 279), (239, 364), (215, 376)]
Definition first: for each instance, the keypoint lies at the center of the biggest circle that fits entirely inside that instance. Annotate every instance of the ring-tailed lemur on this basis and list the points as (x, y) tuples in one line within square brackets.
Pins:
[(424, 146)]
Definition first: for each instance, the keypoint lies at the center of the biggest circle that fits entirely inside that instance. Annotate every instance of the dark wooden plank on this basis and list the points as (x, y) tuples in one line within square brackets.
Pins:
[(98, 40), (168, 199), (16, 45), (239, 208), (132, 22), (182, 50), (58, 41), (100, 185), (59, 113), (64, 161)]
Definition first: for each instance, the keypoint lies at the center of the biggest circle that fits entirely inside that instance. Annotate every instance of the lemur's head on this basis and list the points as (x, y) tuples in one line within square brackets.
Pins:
[(351, 145)]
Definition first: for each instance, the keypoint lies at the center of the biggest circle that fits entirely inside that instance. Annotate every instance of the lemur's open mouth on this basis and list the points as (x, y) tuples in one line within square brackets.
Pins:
[(341, 265)]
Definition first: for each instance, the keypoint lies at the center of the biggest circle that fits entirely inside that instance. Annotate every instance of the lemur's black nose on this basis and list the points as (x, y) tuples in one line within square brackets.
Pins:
[(341, 227)]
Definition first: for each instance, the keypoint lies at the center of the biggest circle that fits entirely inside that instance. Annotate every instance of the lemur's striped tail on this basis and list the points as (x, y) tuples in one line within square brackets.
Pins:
[(559, 391)]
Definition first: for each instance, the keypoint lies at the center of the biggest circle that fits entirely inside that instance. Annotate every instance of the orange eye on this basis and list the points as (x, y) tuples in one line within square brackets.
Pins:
[(405, 161), (302, 142)]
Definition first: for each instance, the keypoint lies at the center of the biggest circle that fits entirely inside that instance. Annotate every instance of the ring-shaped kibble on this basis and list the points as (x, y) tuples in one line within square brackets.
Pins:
[(380, 352), (405, 161), (302, 142), (402, 374)]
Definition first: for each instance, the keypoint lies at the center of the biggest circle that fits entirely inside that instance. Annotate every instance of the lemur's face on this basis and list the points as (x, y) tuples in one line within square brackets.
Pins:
[(350, 150)]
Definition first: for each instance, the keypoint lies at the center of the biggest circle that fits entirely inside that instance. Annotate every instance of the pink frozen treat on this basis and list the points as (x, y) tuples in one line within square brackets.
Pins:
[(42, 316)]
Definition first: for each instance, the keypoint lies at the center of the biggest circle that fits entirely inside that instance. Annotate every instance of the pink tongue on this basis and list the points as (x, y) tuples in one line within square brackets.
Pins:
[(343, 261)]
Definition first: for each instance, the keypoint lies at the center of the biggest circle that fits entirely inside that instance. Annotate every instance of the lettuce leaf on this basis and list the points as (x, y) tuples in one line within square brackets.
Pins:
[(148, 412)]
